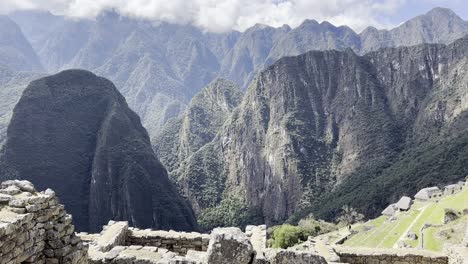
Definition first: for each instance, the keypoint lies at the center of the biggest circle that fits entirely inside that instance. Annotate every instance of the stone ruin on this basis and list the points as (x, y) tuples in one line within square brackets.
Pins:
[(34, 227), (118, 243)]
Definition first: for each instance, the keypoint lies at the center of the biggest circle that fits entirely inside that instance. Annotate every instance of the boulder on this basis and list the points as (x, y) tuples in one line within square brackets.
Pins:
[(293, 257), (24, 185), (230, 246), (412, 236)]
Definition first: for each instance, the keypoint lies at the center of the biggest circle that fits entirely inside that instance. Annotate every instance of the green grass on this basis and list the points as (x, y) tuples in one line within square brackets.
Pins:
[(431, 243), (384, 234), (400, 227), (434, 240)]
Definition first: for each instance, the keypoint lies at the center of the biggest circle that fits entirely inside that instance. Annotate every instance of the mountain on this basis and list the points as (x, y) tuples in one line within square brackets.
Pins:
[(440, 25), (311, 35), (12, 85), (250, 52), (75, 133), (328, 128), (15, 51), (199, 124), (159, 67)]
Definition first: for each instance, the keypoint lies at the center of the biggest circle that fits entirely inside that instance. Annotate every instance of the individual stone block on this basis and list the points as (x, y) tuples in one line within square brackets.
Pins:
[(113, 235), (230, 246), (5, 198), (293, 257)]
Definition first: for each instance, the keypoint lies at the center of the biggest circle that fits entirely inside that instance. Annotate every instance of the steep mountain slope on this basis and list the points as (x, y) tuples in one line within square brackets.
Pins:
[(437, 26), (440, 25), (311, 35), (12, 85), (15, 51), (250, 52), (74, 132), (159, 67), (199, 124), (155, 66), (328, 128)]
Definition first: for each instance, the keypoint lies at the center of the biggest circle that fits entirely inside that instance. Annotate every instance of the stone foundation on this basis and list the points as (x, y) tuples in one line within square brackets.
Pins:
[(177, 242), (34, 227), (389, 256), (119, 244)]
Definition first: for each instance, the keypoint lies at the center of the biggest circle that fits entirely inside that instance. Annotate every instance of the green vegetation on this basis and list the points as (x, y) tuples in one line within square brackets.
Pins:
[(287, 235), (232, 211), (370, 188), (383, 232), (349, 215)]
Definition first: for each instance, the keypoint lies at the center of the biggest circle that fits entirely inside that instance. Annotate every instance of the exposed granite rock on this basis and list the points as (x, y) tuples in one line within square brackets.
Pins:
[(74, 132), (159, 67), (182, 137), (317, 131), (230, 246), (293, 257)]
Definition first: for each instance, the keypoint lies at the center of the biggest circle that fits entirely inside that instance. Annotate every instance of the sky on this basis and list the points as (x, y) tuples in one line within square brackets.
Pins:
[(225, 15)]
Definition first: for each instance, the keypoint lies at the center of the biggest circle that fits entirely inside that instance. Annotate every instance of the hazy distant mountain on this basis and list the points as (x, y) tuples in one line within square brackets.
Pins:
[(328, 128), (12, 85), (73, 132), (250, 52), (159, 67), (440, 25), (15, 51), (311, 35)]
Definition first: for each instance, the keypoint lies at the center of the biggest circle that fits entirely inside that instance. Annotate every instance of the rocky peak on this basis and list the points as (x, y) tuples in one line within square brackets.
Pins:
[(15, 51), (73, 131), (204, 116)]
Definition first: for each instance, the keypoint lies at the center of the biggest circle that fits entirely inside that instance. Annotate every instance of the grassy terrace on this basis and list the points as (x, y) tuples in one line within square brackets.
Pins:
[(383, 233)]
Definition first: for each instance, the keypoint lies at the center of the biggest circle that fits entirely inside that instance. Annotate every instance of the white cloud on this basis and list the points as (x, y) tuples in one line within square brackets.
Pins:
[(222, 15)]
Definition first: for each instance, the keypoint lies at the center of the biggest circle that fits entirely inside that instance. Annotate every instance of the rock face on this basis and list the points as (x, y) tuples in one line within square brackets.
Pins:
[(440, 25), (75, 133), (159, 67), (183, 136), (15, 51), (12, 85), (230, 245), (328, 128)]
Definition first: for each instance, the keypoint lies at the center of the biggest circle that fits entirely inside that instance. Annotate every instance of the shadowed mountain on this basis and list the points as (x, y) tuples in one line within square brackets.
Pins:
[(74, 132)]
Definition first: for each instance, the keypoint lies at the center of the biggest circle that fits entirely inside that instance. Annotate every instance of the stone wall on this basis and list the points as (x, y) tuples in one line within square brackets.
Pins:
[(389, 256), (177, 242), (119, 244), (34, 227)]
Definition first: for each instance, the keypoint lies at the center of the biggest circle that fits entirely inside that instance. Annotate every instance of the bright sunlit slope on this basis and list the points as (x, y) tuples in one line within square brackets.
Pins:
[(425, 225)]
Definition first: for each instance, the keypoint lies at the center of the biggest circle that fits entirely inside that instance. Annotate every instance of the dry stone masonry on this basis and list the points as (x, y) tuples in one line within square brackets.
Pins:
[(34, 227), (119, 244), (177, 242), (385, 256)]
